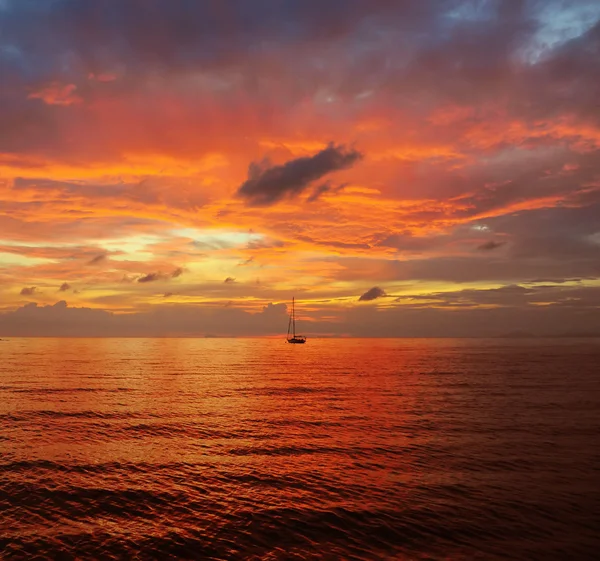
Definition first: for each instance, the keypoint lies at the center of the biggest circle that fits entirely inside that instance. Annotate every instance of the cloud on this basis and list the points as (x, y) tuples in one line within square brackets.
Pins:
[(98, 259), (175, 320), (461, 314), (266, 185), (229, 280), (490, 245), (107, 77), (182, 38), (465, 269), (151, 277), (326, 187), (57, 94), (246, 262), (28, 291), (333, 243), (64, 287), (512, 296), (265, 244), (318, 191), (372, 294), (467, 115)]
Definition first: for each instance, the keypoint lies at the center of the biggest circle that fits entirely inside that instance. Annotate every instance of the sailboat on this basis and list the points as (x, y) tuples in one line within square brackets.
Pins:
[(295, 339)]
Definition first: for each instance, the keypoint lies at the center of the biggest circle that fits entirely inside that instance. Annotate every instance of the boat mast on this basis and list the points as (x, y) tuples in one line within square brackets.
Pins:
[(293, 317)]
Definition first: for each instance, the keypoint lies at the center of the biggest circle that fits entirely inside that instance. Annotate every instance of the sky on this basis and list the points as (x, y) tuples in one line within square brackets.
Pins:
[(401, 168)]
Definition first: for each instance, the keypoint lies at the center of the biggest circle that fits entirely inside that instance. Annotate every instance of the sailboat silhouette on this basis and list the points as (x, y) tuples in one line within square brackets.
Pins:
[(295, 339)]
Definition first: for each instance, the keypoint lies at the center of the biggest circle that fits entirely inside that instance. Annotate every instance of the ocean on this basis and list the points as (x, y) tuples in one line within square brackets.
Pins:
[(350, 449)]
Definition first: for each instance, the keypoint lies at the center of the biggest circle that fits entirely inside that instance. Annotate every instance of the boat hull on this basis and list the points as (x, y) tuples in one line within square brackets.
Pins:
[(296, 341)]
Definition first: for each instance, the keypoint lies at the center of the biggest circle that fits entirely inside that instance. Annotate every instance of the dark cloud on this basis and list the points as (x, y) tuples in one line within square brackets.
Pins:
[(372, 294), (559, 281), (326, 187), (158, 276), (28, 290), (151, 277), (229, 280), (267, 185), (318, 191), (186, 33), (98, 259), (64, 287), (490, 245)]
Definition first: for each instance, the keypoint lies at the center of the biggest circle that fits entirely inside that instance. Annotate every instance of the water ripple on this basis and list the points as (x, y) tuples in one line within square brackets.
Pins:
[(247, 449)]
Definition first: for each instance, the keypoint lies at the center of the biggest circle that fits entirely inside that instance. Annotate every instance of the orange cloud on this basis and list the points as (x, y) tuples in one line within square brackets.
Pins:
[(57, 94)]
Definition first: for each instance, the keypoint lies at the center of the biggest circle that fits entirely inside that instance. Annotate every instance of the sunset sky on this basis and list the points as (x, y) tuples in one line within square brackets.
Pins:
[(403, 168)]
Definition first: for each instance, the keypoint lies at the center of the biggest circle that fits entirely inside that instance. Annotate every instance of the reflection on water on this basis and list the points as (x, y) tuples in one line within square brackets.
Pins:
[(340, 449)]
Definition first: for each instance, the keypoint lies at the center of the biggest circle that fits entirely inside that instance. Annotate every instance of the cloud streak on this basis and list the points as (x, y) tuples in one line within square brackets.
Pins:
[(159, 276), (98, 259), (490, 245)]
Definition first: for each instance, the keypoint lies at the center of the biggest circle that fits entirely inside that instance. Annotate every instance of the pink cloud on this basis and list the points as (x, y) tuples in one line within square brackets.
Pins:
[(57, 94)]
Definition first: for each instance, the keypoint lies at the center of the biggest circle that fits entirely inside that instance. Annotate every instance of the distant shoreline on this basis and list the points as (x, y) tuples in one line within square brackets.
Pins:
[(7, 338)]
